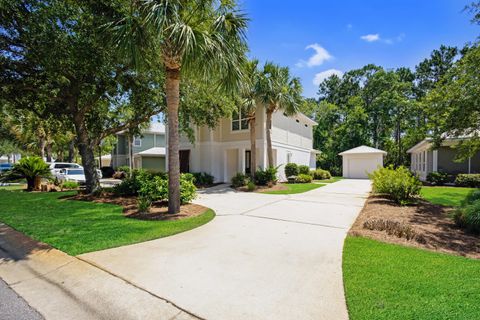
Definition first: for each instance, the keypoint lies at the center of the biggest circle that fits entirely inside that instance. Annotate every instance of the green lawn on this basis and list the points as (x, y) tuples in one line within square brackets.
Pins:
[(294, 188), (14, 187), (77, 226), (445, 196), (332, 180), (385, 281)]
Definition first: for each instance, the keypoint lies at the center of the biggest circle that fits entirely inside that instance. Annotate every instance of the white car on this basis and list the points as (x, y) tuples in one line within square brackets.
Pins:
[(56, 167), (71, 174)]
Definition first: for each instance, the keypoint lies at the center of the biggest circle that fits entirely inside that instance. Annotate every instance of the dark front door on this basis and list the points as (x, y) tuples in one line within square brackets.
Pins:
[(248, 162), (184, 161)]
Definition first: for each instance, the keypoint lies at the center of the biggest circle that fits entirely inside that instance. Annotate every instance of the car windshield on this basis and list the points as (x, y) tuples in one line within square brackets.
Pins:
[(75, 172)]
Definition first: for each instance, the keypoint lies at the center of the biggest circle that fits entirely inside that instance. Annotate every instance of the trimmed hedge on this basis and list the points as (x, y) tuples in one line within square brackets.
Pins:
[(320, 174), (303, 169), (468, 180), (291, 170), (304, 178)]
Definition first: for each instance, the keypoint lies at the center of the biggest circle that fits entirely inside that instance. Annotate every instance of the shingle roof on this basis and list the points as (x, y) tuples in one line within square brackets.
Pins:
[(362, 150)]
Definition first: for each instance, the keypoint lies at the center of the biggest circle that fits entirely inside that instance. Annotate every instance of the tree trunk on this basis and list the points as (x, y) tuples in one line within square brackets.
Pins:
[(30, 183), (269, 138), (42, 145), (88, 159), (71, 151), (130, 154), (253, 147), (173, 101), (49, 152)]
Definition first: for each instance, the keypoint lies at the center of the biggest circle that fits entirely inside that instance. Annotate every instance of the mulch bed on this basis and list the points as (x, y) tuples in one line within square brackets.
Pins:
[(276, 187), (158, 211), (432, 226)]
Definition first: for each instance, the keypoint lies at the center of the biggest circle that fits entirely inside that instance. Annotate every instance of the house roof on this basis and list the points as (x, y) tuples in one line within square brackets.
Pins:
[(315, 151), (447, 140), (155, 127), (302, 117), (363, 150), (156, 152)]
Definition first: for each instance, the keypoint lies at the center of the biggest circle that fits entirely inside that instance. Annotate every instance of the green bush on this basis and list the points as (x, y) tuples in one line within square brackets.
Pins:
[(203, 179), (188, 191), (130, 186), (266, 177), (240, 180), (437, 178), (70, 185), (320, 174), (125, 169), (153, 188), (251, 186), (398, 184), (291, 169), (303, 178), (30, 169), (468, 217), (468, 180), (144, 204), (303, 170)]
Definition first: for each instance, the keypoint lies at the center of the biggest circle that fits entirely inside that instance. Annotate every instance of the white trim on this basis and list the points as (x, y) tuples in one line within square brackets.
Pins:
[(435, 161), (281, 144)]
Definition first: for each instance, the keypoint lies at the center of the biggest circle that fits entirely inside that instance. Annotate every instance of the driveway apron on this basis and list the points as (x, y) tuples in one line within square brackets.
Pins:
[(262, 257)]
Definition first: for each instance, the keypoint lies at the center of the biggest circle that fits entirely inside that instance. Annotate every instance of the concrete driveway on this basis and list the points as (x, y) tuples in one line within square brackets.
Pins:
[(262, 257)]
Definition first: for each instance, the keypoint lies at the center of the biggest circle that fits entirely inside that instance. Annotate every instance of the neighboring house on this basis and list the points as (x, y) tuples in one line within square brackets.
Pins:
[(225, 150), (10, 158), (147, 150), (424, 159)]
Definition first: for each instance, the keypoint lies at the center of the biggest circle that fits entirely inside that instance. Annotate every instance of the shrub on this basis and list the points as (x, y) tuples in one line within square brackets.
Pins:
[(240, 180), (320, 174), (251, 186), (266, 177), (144, 204), (398, 184), (31, 169), (437, 178), (303, 170), (468, 217), (291, 169), (125, 169), (188, 191), (303, 178), (69, 185), (154, 188), (203, 179), (468, 180)]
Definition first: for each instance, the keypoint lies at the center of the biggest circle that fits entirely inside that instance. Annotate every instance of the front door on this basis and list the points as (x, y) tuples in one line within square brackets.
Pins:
[(248, 162), (184, 161)]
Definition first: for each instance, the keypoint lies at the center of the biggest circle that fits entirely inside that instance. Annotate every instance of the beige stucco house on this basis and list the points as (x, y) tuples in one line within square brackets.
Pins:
[(225, 150)]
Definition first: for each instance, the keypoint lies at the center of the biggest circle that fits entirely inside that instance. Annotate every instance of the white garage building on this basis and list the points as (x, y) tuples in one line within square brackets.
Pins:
[(360, 161)]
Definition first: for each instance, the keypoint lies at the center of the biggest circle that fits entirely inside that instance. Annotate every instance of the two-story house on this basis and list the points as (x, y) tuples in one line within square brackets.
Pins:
[(225, 150)]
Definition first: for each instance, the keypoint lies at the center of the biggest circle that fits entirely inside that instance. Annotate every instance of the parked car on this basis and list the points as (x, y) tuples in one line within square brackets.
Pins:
[(71, 174), (55, 168), (5, 167)]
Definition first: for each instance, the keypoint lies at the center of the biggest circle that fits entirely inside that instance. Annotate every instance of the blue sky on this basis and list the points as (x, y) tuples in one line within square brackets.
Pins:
[(317, 38)]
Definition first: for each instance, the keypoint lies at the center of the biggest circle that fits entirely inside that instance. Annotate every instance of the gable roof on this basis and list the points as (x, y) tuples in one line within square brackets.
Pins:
[(157, 151), (363, 150)]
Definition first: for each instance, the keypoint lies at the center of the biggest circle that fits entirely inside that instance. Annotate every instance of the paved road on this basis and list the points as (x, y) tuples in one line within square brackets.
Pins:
[(262, 257), (13, 307)]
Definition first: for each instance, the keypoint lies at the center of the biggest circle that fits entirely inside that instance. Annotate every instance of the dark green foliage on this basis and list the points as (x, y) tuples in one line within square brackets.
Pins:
[(125, 169), (266, 177), (29, 168), (468, 216), (303, 178), (69, 185), (240, 180), (320, 174), (291, 169), (144, 204), (468, 180), (203, 179), (303, 169), (399, 184), (437, 178), (251, 186)]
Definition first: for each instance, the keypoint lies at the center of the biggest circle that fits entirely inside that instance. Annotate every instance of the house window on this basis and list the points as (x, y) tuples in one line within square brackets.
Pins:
[(239, 120), (137, 142)]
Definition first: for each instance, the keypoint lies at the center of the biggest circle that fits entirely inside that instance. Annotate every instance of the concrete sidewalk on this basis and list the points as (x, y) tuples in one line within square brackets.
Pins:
[(262, 257), (59, 286)]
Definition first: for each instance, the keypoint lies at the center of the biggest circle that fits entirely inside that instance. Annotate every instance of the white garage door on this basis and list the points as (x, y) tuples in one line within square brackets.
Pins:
[(359, 168)]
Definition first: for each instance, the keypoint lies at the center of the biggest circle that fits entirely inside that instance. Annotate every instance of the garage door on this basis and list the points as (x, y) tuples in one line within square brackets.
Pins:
[(358, 168)]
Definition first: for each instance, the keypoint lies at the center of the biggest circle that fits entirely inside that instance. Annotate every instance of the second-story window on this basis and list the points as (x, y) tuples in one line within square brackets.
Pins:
[(239, 120), (137, 142)]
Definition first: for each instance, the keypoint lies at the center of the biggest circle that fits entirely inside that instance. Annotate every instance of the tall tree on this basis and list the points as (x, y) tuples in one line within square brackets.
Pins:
[(278, 90), (56, 63), (203, 39)]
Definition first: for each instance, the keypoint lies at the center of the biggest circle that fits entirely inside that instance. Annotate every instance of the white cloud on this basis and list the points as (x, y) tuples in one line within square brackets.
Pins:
[(349, 26), (319, 77), (321, 55), (371, 37)]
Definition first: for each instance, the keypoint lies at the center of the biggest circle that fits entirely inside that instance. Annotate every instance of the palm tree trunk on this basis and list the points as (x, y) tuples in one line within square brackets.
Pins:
[(253, 147), (173, 101), (71, 151), (42, 145), (49, 152), (269, 138)]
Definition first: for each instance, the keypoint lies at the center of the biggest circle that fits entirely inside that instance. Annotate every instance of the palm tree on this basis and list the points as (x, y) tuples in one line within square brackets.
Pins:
[(249, 104), (278, 91), (31, 169), (187, 38)]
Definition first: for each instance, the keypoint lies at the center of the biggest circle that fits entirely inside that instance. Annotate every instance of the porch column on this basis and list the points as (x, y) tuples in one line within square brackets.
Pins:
[(241, 160), (435, 161), (225, 165)]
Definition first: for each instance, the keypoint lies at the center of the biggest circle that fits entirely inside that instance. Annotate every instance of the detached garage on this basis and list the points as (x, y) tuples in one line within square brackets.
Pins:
[(360, 161)]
